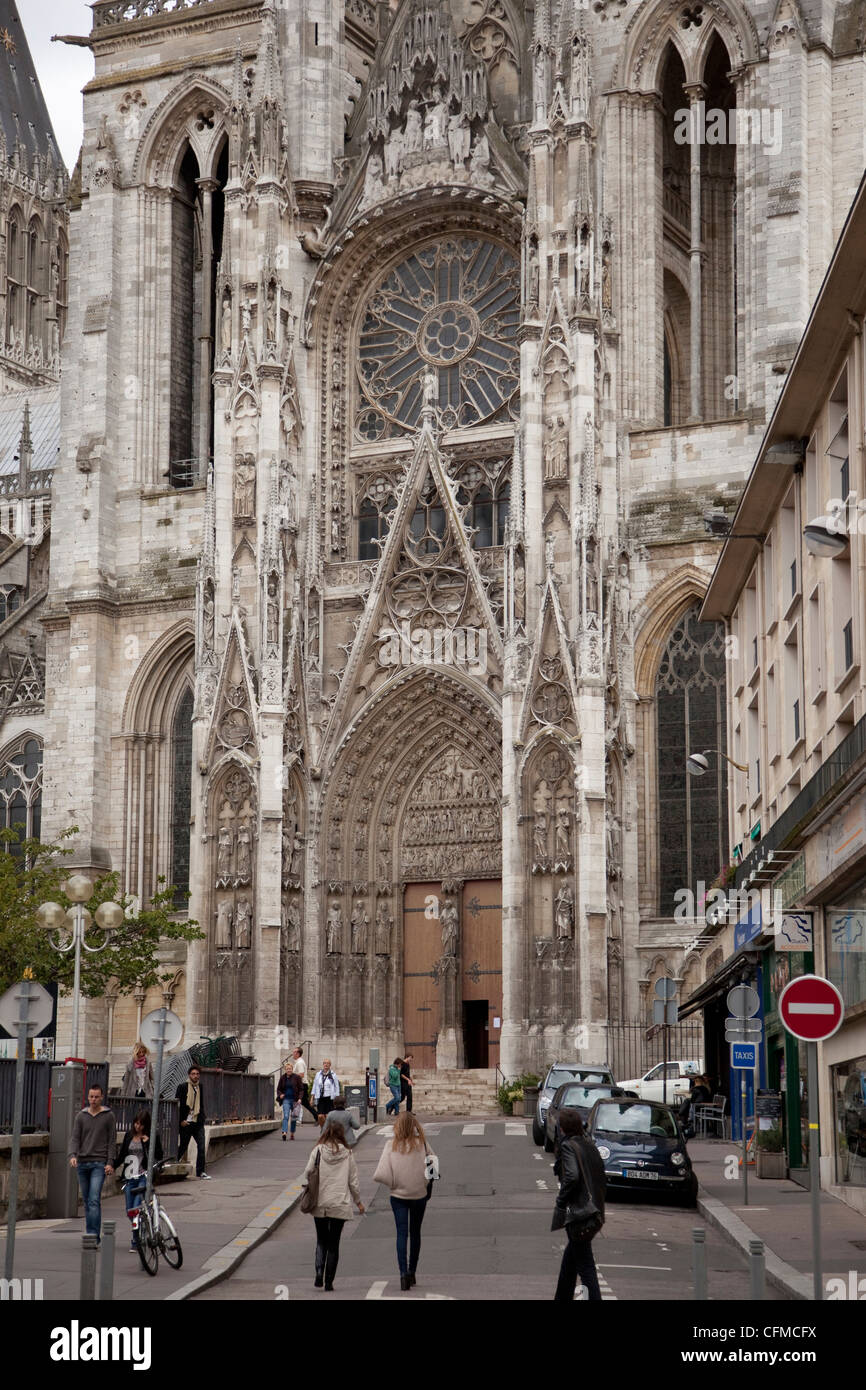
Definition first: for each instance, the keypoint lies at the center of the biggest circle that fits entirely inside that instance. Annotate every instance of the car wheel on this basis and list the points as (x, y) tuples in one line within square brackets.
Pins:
[(548, 1146), (537, 1133)]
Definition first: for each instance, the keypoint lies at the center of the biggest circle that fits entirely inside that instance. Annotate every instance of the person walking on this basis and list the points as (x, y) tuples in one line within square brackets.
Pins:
[(406, 1080), (394, 1087), (402, 1169), (340, 1115), (299, 1067), (326, 1088), (290, 1088), (138, 1077), (192, 1119), (579, 1208), (91, 1153), (131, 1164), (338, 1187)]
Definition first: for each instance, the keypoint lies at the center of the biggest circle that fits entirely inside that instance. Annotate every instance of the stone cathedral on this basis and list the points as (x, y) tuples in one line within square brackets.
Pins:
[(409, 342)]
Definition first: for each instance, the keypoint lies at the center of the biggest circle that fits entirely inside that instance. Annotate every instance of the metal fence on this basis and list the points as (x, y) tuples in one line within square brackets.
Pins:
[(631, 1053), (231, 1095), (37, 1088), (127, 1107)]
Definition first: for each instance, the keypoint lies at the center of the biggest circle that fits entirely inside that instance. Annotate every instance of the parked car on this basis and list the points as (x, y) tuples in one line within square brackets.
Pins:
[(558, 1075), (678, 1073), (643, 1146), (576, 1097)]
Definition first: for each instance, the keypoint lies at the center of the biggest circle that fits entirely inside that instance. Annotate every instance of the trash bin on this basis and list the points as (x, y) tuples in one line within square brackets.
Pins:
[(530, 1101)]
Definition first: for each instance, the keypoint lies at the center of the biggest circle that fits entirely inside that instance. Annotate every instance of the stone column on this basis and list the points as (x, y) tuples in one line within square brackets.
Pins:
[(695, 92), (208, 188)]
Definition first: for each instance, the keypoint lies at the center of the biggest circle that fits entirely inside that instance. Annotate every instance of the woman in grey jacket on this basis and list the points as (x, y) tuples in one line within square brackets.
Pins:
[(338, 1187), (402, 1169)]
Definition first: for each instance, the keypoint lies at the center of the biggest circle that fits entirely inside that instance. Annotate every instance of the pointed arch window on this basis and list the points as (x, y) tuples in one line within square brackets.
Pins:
[(16, 275), (375, 511), (690, 706), (485, 492), (181, 753), (21, 791)]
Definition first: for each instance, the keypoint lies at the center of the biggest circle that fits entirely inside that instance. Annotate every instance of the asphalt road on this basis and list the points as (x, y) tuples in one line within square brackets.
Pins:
[(486, 1234)]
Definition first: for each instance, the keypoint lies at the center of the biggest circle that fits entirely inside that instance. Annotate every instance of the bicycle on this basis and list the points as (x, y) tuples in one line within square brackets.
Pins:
[(156, 1234)]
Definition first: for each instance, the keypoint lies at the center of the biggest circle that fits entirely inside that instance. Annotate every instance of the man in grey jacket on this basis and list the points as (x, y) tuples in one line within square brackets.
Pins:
[(346, 1118), (91, 1152)]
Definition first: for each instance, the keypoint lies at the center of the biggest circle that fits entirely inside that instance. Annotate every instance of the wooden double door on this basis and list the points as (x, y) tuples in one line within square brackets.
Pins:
[(478, 997)]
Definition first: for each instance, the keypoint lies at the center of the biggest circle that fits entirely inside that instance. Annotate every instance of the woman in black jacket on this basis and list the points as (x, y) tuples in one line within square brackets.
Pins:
[(581, 1180), (131, 1163)]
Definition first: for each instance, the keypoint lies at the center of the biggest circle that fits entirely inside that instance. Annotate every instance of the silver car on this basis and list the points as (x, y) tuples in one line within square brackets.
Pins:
[(583, 1072)]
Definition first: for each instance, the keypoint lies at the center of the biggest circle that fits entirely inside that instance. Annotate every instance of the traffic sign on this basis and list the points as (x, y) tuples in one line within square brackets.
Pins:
[(743, 1001), (28, 1003), (665, 988), (811, 1008), (149, 1030), (743, 1029), (744, 1055)]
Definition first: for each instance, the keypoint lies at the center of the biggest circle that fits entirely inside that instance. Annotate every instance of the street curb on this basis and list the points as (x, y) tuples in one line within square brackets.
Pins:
[(780, 1274), (226, 1260)]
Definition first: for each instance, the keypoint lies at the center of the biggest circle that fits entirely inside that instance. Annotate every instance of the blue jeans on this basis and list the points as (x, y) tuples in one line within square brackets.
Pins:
[(287, 1113), (395, 1100), (408, 1216), (91, 1176)]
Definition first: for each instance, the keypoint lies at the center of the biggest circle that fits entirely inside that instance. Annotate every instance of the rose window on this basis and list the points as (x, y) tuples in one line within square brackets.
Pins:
[(453, 307)]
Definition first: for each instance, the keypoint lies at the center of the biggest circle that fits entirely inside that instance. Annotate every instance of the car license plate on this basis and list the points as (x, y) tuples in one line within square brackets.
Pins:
[(638, 1173)]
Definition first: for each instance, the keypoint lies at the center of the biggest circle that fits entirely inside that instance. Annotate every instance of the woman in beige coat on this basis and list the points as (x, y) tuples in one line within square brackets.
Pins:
[(338, 1187), (402, 1170)]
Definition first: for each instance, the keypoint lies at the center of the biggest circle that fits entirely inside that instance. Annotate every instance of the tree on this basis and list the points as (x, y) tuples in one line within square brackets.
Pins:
[(32, 873)]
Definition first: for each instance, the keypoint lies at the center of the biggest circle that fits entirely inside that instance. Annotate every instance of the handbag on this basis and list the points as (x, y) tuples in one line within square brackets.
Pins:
[(583, 1219), (310, 1198)]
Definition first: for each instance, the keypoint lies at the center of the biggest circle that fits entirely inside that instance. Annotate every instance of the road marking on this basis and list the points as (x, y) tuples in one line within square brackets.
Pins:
[(666, 1268), (541, 1183), (431, 1129), (540, 1157), (472, 1129), (387, 1133), (515, 1129), (607, 1293), (376, 1290)]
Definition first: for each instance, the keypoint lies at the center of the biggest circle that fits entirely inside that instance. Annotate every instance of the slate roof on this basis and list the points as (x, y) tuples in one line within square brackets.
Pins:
[(23, 113), (44, 427)]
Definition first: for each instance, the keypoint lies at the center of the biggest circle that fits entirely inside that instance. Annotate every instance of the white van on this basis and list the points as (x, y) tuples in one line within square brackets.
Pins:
[(677, 1073)]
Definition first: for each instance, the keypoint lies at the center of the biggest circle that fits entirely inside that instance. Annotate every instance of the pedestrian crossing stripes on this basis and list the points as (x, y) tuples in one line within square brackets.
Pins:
[(515, 1129), (472, 1129), (607, 1293)]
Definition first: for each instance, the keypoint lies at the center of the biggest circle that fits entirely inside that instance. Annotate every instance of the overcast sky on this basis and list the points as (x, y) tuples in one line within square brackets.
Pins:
[(62, 69)]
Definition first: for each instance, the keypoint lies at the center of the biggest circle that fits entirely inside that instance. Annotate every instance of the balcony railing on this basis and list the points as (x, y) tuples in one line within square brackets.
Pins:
[(106, 12)]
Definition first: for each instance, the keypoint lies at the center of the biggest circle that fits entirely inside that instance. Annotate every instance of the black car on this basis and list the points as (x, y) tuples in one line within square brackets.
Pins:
[(643, 1147), (575, 1097)]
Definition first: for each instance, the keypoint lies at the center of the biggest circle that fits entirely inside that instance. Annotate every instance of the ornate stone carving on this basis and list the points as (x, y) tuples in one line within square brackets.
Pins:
[(290, 921), (449, 918), (334, 930), (244, 487), (563, 911), (384, 925), (556, 451), (360, 923), (243, 924), (224, 922)]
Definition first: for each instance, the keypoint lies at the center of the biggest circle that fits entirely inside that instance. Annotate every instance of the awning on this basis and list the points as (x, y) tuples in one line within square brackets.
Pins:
[(724, 978)]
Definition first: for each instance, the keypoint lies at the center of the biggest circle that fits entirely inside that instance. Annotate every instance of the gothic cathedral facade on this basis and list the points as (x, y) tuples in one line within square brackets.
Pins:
[(409, 343)]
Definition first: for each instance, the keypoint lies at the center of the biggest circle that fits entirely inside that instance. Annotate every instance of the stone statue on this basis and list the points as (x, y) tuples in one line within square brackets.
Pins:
[(436, 124), (533, 276), (459, 136), (244, 487), (245, 841), (246, 318), (224, 852), (334, 930), (563, 911), (273, 617), (556, 453), (479, 164), (271, 314), (226, 323), (374, 181), (208, 617), (563, 833), (448, 920), (394, 154), (297, 854), (541, 807), (224, 925), (384, 922), (414, 135), (431, 388), (360, 923), (243, 924), (291, 925)]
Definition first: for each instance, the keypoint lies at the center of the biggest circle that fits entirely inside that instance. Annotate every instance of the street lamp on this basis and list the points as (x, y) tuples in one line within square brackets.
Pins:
[(53, 918), (825, 539), (698, 763)]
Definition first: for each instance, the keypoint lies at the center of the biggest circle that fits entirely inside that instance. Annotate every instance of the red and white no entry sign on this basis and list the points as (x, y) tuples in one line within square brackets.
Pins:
[(811, 1008)]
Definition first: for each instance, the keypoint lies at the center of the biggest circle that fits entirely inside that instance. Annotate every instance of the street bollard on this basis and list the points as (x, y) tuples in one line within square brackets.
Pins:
[(699, 1262), (106, 1263), (87, 1287), (756, 1269)]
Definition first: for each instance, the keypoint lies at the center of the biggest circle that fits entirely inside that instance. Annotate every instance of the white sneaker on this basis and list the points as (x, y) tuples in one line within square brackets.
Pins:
[(205, 1175)]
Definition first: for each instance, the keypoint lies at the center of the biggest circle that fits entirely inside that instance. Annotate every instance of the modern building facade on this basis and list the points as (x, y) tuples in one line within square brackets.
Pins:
[(408, 345), (789, 584)]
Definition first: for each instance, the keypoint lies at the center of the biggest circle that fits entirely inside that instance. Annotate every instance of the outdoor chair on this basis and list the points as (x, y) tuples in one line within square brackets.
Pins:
[(712, 1116)]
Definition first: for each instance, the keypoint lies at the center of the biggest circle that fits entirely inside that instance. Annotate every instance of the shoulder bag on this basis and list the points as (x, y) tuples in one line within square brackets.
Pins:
[(582, 1218), (310, 1198)]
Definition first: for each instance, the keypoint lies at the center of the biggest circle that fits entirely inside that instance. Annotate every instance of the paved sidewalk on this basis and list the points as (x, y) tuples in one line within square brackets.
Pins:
[(250, 1191), (779, 1214)]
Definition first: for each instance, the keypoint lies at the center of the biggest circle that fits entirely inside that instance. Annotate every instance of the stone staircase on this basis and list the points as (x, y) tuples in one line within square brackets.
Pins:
[(455, 1092)]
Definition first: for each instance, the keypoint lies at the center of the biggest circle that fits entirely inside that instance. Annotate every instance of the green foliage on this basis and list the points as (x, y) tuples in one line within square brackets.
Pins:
[(770, 1140), (33, 873), (513, 1090)]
